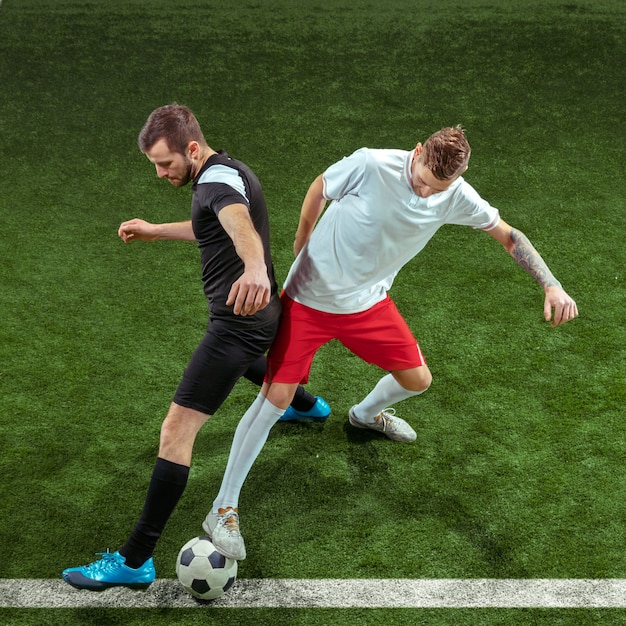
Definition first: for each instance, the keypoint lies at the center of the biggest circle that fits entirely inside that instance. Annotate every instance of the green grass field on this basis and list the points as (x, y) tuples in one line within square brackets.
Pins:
[(518, 470)]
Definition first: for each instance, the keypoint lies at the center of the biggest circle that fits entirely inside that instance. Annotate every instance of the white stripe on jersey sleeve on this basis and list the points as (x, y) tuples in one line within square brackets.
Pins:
[(226, 175)]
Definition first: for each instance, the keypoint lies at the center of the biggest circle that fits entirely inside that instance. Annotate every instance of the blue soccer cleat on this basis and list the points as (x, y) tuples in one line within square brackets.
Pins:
[(110, 571), (319, 412)]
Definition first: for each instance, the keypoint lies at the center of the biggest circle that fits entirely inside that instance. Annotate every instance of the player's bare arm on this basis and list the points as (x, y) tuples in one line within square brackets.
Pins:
[(252, 290), (558, 305), (312, 207), (146, 231)]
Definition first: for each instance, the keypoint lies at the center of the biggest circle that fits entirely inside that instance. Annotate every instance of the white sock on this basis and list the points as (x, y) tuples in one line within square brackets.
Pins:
[(388, 391), (250, 436)]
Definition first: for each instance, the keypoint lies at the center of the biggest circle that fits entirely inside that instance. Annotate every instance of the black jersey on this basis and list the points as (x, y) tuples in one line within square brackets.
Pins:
[(223, 181)]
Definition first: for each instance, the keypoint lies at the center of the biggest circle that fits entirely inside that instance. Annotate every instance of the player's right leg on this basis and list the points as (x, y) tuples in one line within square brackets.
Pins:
[(222, 521), (299, 336)]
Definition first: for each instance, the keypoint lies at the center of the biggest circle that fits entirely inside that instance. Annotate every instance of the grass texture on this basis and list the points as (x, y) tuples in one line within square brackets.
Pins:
[(518, 467)]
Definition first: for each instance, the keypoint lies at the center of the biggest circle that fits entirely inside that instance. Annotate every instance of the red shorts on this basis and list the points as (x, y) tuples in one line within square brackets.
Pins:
[(379, 336)]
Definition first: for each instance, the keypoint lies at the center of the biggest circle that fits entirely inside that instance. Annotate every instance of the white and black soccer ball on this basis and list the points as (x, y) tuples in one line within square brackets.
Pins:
[(203, 571)]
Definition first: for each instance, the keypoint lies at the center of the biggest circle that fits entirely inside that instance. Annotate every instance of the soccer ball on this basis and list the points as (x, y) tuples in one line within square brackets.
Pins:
[(203, 571)]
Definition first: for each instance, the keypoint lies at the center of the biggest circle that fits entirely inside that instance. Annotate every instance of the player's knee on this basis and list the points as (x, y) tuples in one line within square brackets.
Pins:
[(280, 394), (427, 382), (178, 432), (169, 431), (422, 381), (417, 380)]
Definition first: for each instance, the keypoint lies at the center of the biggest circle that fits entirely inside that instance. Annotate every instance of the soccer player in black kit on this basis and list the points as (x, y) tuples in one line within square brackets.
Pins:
[(229, 222)]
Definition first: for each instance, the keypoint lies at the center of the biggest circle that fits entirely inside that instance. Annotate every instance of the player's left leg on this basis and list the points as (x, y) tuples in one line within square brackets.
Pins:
[(394, 387), (220, 360), (132, 565), (168, 482), (382, 337), (373, 411)]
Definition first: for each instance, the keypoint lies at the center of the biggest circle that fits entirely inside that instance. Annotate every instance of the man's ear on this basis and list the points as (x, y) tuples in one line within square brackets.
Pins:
[(193, 148), (418, 151)]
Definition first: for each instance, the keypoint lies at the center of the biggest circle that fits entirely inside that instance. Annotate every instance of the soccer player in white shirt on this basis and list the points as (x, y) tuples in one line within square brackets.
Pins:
[(385, 205)]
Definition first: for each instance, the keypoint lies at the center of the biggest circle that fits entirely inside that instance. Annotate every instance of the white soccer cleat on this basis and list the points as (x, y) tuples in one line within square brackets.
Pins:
[(387, 423), (223, 528)]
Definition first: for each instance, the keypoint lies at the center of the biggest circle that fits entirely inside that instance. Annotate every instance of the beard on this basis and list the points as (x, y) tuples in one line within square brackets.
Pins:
[(185, 175)]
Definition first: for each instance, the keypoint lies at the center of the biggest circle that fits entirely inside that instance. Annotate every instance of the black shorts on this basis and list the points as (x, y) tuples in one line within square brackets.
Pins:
[(227, 350)]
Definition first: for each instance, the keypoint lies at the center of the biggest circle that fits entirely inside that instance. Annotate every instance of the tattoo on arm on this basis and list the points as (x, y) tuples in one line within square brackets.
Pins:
[(527, 257)]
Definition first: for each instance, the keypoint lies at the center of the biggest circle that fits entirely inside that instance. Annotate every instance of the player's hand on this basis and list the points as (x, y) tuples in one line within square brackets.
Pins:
[(250, 293), (137, 229), (564, 307)]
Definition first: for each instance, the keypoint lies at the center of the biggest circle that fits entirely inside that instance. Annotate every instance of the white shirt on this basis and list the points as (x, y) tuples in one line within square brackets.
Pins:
[(374, 225)]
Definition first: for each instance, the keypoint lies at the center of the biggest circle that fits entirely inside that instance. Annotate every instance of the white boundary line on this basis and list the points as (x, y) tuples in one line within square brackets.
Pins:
[(327, 593)]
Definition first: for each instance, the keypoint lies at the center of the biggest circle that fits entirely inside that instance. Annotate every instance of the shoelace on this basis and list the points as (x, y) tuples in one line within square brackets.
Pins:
[(384, 415), (109, 560), (229, 519)]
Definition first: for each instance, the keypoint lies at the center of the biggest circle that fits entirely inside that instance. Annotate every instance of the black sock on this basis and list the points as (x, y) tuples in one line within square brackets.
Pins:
[(302, 399), (167, 485)]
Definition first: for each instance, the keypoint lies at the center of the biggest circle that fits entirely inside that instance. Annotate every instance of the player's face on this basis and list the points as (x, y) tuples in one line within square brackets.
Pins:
[(174, 166), (424, 182)]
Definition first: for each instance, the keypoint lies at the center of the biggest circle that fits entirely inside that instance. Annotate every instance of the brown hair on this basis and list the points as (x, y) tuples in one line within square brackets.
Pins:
[(446, 153), (174, 123)]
